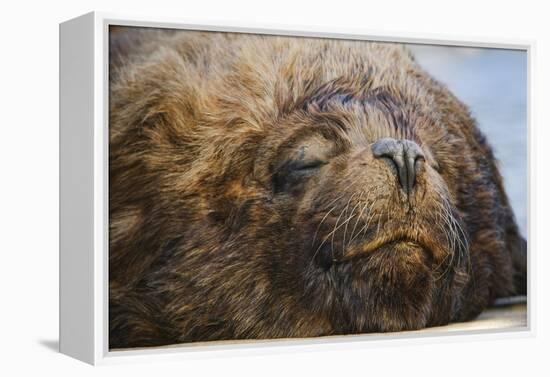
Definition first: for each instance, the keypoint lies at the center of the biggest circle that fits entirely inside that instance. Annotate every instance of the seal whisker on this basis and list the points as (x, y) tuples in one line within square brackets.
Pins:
[(462, 241), (448, 255), (359, 217), (328, 213), (321, 223), (336, 224), (457, 245), (331, 234), (450, 231), (347, 223), (366, 223)]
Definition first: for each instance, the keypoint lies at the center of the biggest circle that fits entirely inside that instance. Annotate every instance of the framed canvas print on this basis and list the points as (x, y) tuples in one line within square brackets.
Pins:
[(226, 188)]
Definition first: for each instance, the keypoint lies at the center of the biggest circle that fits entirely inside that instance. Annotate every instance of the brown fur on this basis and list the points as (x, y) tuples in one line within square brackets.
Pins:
[(214, 234)]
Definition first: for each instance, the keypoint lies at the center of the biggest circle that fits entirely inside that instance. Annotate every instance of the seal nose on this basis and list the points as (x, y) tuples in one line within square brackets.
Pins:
[(404, 155)]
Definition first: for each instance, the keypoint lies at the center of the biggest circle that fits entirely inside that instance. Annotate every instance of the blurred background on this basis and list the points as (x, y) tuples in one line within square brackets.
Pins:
[(493, 83)]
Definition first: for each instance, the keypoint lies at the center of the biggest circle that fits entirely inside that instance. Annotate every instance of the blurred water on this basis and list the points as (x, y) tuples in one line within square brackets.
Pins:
[(493, 83)]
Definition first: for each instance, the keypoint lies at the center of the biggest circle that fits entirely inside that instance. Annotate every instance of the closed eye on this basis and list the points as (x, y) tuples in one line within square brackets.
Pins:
[(291, 174), (305, 165)]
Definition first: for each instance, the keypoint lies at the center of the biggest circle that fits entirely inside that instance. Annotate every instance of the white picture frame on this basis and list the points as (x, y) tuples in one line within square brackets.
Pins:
[(84, 193)]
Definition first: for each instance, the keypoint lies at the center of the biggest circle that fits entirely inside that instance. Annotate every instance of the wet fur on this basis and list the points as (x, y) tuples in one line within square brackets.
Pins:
[(207, 244)]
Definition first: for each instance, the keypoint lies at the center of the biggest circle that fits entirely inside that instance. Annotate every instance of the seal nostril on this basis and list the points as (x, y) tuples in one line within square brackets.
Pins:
[(418, 163), (405, 155)]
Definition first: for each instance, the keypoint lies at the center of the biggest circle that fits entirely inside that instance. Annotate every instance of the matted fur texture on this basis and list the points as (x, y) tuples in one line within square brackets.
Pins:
[(247, 199)]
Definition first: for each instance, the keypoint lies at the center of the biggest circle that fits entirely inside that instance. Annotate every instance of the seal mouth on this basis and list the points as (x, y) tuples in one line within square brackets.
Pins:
[(397, 245), (399, 240)]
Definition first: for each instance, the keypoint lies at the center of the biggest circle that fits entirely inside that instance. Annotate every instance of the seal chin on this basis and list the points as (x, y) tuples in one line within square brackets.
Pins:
[(389, 288)]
